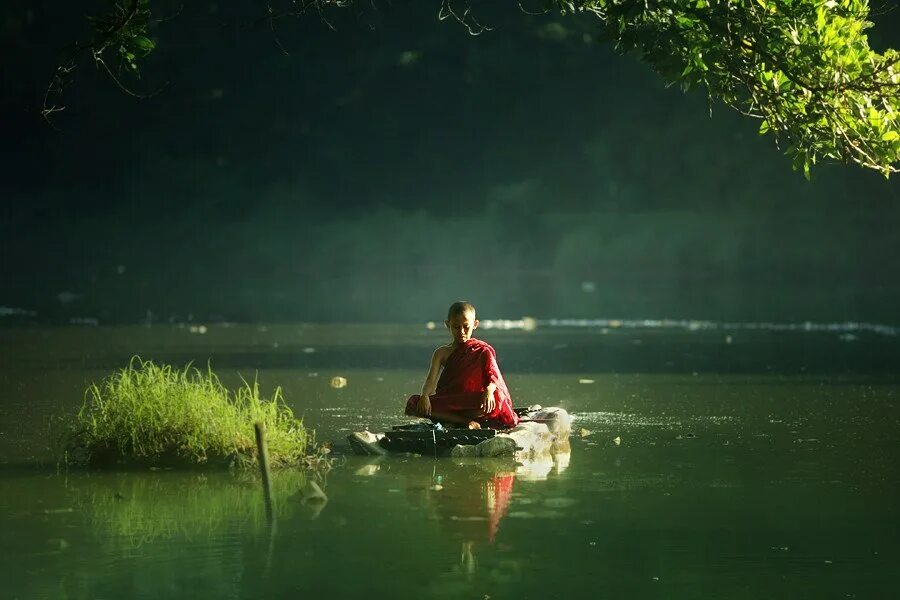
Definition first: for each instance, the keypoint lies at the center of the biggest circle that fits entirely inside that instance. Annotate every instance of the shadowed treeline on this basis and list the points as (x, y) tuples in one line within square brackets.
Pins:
[(395, 266), (376, 173)]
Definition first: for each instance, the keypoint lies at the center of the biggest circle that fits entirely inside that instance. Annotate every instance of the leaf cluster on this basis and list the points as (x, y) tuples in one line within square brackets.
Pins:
[(121, 35), (803, 67), (120, 38)]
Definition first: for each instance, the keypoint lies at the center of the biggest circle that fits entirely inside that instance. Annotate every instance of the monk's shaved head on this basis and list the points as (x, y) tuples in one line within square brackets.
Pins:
[(460, 308)]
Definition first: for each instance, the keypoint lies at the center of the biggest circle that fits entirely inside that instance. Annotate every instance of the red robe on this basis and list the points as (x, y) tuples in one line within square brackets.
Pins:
[(467, 372)]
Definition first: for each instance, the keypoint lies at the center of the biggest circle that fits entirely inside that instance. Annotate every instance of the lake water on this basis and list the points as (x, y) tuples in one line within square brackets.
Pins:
[(704, 464)]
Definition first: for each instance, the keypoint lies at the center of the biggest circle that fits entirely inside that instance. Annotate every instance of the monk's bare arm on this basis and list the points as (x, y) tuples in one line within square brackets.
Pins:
[(437, 360), (488, 401)]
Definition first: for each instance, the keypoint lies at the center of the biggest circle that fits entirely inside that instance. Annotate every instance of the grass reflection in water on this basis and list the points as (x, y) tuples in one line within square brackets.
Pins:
[(128, 511)]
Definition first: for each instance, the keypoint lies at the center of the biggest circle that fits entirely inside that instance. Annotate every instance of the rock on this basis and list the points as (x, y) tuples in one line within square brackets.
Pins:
[(500, 445), (557, 420), (366, 442), (460, 451), (534, 438)]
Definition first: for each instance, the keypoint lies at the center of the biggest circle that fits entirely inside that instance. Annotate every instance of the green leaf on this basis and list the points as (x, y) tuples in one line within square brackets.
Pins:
[(144, 43), (874, 117), (820, 18), (890, 136)]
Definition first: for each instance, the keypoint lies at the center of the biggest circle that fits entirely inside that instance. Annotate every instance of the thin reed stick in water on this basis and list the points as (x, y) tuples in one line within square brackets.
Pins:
[(263, 456)]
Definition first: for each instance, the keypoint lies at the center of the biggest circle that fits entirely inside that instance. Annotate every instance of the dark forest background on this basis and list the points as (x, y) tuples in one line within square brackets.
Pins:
[(392, 163)]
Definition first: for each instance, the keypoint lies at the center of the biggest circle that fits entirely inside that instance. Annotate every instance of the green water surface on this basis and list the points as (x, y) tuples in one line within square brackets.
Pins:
[(759, 466)]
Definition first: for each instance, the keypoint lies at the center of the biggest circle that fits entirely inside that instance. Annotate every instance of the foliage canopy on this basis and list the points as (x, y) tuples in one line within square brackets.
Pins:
[(803, 67)]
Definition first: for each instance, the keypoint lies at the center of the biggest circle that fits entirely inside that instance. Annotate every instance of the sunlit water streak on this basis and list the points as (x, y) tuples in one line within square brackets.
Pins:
[(846, 327)]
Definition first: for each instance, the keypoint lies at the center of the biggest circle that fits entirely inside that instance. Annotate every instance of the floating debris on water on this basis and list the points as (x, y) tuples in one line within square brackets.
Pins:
[(585, 432), (728, 339), (309, 350), (198, 329), (586, 381), (338, 382), (617, 441)]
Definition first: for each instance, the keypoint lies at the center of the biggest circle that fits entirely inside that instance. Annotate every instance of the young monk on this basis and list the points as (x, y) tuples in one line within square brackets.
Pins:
[(470, 390)]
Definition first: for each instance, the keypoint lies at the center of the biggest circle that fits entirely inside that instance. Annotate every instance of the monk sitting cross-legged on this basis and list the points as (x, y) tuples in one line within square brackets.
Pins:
[(470, 390)]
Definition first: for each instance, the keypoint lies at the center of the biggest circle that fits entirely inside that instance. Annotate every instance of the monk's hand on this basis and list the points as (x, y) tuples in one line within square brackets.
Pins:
[(487, 400), (474, 425), (424, 405)]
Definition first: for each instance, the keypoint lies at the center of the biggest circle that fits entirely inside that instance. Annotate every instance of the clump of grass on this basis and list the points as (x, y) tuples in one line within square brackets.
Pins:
[(157, 414)]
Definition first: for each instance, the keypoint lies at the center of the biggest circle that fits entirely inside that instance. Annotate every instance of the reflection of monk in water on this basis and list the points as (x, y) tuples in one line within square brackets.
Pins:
[(476, 513), (498, 491), (469, 500)]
